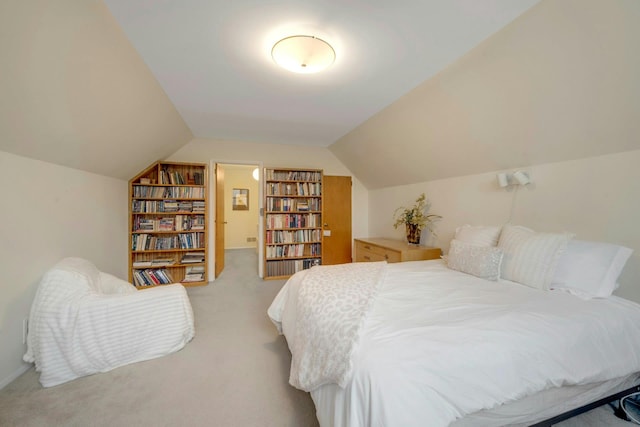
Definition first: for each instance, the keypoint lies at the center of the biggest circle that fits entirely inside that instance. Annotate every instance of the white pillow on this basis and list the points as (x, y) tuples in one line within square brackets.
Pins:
[(530, 258), (590, 269), (480, 261), (479, 235)]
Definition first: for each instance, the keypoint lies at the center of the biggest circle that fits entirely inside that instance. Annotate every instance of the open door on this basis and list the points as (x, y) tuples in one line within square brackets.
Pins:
[(336, 218), (220, 222)]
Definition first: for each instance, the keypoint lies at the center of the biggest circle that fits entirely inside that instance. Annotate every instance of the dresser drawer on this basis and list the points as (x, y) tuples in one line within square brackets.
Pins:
[(367, 252), (381, 249)]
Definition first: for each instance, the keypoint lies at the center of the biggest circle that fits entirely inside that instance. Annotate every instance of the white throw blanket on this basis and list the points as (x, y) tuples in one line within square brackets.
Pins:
[(84, 321), (332, 304)]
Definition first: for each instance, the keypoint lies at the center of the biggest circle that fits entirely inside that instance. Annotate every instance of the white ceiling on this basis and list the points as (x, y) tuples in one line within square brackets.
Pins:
[(212, 58)]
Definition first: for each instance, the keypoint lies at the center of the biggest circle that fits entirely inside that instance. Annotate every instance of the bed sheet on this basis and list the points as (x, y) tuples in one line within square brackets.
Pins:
[(439, 344)]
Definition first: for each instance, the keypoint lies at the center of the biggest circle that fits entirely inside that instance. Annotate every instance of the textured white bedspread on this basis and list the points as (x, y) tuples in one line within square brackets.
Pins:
[(439, 344), (333, 302)]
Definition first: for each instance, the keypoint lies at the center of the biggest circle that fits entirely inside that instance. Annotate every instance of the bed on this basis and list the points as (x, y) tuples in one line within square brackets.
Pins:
[(422, 343)]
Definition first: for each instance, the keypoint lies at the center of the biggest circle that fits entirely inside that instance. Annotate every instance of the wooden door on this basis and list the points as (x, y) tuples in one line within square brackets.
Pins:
[(220, 222), (336, 219)]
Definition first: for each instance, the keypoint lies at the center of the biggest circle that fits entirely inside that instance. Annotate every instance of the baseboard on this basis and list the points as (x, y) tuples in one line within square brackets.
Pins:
[(6, 381)]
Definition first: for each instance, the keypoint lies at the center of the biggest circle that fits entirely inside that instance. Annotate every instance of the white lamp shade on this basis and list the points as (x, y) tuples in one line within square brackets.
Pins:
[(503, 179), (521, 177), (303, 54)]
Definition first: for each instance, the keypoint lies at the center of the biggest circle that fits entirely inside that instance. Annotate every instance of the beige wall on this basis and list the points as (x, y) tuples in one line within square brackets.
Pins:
[(596, 198), (50, 212), (558, 83), (240, 224), (76, 93)]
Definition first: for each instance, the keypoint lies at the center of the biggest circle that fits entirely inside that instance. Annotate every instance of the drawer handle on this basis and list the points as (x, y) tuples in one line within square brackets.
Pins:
[(386, 256), (367, 258), (367, 247)]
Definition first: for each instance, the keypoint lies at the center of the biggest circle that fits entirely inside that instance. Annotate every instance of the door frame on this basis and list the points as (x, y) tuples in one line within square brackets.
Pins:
[(213, 163)]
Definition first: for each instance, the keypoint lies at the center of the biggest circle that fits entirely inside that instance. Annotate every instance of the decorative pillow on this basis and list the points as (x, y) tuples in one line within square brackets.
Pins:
[(479, 235), (590, 269), (530, 258), (480, 261)]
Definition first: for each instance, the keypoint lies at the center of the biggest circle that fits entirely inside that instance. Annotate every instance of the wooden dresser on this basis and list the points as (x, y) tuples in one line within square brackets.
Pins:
[(390, 250)]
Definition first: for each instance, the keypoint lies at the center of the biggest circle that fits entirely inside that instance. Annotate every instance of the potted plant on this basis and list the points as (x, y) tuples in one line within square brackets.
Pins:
[(415, 218)]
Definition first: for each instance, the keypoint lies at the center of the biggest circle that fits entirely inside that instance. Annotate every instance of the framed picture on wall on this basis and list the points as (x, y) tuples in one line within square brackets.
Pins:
[(240, 200)]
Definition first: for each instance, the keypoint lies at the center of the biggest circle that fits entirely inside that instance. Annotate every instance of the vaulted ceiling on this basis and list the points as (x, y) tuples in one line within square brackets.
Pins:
[(420, 90), (213, 58)]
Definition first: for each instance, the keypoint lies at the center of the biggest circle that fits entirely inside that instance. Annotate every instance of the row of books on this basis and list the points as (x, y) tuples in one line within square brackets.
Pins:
[(168, 192), (289, 267), (162, 206), (279, 175), (293, 251), (146, 242), (158, 262), (187, 258), (178, 178), (192, 257), (291, 205), (294, 189), (275, 221), (194, 274), (294, 236), (152, 277), (174, 223)]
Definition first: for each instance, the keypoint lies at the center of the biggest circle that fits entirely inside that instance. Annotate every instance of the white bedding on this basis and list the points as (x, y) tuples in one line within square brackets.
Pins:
[(439, 344), (333, 303)]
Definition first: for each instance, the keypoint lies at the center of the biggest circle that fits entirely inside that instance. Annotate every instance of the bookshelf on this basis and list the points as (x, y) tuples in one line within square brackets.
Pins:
[(293, 221), (168, 225)]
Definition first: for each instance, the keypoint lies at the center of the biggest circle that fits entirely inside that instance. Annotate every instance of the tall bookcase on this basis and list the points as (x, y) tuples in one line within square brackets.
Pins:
[(293, 221), (168, 214)]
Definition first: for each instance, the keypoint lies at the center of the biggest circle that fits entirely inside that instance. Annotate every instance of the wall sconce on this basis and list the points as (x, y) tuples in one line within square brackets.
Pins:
[(522, 177), (506, 179)]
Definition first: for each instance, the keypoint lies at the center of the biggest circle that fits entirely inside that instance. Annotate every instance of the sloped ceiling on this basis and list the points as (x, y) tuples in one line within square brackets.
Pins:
[(76, 93), (213, 58), (559, 83)]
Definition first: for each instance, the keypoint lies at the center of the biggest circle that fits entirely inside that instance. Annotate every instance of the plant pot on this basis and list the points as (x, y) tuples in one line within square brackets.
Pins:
[(413, 234)]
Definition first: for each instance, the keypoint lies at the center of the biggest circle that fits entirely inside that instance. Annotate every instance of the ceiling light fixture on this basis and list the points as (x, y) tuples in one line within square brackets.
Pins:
[(303, 54)]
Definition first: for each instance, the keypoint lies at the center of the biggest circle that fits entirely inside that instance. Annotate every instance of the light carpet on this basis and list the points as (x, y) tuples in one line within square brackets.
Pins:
[(233, 373)]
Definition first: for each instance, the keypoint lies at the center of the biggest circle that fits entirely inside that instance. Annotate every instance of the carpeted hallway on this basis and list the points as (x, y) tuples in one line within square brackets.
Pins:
[(233, 373)]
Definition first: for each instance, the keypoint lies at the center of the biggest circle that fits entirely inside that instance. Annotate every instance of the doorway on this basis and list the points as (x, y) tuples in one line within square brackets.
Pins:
[(238, 196)]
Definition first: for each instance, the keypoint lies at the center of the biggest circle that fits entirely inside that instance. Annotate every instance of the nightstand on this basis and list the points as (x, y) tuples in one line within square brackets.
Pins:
[(390, 250)]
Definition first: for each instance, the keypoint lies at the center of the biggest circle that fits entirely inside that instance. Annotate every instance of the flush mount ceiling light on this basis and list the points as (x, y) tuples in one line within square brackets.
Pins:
[(303, 54)]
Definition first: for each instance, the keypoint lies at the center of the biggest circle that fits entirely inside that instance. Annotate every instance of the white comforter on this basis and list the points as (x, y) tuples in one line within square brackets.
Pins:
[(439, 344)]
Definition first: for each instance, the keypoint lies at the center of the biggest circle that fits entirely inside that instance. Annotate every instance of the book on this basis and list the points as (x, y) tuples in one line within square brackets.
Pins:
[(158, 262)]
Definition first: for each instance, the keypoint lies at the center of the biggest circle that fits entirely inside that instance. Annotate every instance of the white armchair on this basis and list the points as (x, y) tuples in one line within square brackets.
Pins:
[(84, 321)]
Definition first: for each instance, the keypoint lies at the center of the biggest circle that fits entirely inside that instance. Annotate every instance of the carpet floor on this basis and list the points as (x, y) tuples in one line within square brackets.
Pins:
[(233, 373)]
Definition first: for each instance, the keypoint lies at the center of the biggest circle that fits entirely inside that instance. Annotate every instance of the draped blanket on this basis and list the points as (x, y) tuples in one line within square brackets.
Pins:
[(332, 304)]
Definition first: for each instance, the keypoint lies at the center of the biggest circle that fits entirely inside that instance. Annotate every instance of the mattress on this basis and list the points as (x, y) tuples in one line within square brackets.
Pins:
[(440, 346)]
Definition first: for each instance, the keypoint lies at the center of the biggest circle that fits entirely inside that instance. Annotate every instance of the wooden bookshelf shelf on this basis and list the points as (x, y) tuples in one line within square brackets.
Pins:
[(166, 201), (292, 221)]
